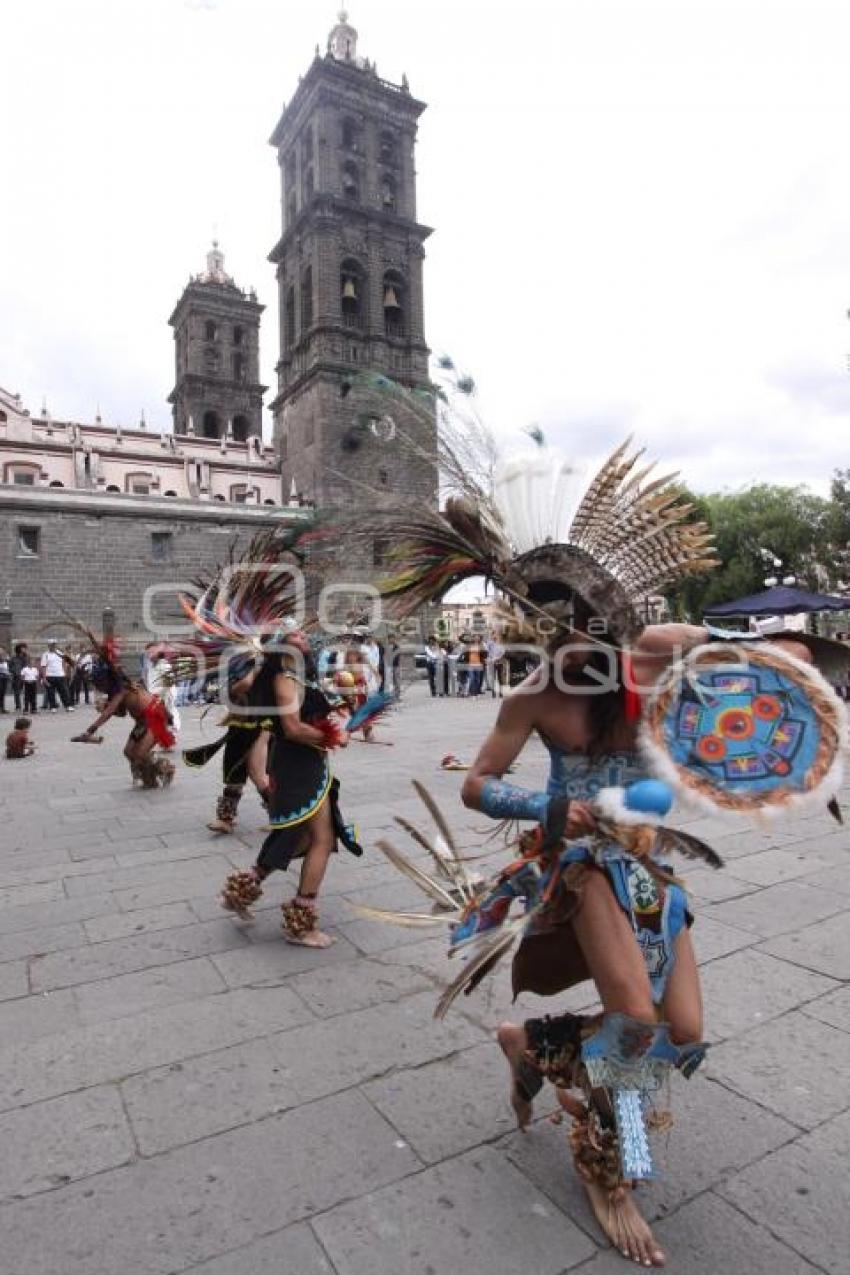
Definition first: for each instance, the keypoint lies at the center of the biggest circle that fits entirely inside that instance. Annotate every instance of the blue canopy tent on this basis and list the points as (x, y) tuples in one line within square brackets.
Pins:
[(779, 600)]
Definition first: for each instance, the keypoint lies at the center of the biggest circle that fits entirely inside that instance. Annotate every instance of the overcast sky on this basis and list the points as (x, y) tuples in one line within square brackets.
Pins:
[(641, 207)]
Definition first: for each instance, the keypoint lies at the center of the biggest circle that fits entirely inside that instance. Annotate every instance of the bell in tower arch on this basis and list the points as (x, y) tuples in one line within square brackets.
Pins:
[(391, 301)]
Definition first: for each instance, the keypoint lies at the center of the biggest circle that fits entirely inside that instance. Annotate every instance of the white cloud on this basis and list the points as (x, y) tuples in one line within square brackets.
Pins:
[(640, 210)]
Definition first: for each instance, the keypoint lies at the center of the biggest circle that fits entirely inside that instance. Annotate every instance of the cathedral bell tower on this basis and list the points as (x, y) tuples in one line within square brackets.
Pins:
[(217, 391), (349, 271)]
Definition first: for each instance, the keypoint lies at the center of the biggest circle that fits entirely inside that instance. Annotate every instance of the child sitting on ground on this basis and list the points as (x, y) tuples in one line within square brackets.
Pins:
[(18, 742)]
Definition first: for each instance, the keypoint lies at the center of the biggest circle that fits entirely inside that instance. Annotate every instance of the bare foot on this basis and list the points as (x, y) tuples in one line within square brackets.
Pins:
[(617, 1214), (220, 825), (313, 938), (513, 1044)]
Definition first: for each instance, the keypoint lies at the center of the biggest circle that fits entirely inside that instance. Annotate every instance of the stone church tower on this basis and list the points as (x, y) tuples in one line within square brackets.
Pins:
[(217, 391), (349, 270)]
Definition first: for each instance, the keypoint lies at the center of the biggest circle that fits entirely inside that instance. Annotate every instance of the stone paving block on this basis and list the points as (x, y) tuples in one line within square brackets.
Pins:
[(711, 886), (790, 862), (749, 987), (147, 989), (268, 964), (15, 896), (203, 872), (708, 1237), (352, 1048), (128, 857), (834, 1008), (373, 937), (475, 1213), (36, 874), (101, 929), (346, 987), (824, 946), (835, 880), (60, 912), (116, 1049), (800, 1194), (193, 1099), (453, 1104), (796, 1066), (778, 908), (123, 956), (711, 938), (13, 980), (294, 1250), (140, 846), (31, 1017), (182, 1208), (53, 1143)]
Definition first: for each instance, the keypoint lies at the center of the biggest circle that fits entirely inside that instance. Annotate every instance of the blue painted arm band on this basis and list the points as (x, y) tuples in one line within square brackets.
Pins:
[(506, 801)]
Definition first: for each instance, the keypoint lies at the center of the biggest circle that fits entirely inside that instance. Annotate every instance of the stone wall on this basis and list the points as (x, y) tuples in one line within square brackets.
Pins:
[(94, 553)]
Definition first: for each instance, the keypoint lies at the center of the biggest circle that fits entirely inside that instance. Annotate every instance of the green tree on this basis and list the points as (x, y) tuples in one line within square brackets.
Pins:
[(805, 531)]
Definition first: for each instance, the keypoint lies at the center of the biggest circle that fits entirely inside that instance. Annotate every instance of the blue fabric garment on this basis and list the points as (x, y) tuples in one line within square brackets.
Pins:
[(656, 920)]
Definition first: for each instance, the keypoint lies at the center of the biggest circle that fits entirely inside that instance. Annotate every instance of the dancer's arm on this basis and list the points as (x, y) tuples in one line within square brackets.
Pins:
[(485, 790), (111, 708), (289, 709)]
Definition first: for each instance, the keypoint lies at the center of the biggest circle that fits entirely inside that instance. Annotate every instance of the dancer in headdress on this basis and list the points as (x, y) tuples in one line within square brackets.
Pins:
[(303, 795), (245, 616), (599, 899), (126, 697)]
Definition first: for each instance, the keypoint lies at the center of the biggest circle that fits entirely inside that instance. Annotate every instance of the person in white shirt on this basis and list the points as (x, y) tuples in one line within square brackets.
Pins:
[(53, 676), (29, 683)]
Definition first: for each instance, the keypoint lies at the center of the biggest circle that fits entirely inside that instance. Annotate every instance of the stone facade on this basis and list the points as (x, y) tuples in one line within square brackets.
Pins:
[(93, 552), (349, 270), (217, 391)]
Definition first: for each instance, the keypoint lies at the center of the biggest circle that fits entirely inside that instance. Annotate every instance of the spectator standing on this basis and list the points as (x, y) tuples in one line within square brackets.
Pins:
[(19, 658), (475, 667), (452, 652), (433, 663), (53, 674), (5, 677), (29, 685), (496, 666)]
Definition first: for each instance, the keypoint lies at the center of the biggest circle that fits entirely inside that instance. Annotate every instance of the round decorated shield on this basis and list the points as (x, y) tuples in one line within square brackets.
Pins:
[(745, 728)]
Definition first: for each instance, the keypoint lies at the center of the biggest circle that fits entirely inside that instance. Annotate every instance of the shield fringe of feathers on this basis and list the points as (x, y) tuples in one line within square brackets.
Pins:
[(518, 519)]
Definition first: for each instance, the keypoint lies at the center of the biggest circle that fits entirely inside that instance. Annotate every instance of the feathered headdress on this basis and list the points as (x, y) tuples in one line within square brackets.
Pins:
[(248, 600), (107, 672), (531, 522)]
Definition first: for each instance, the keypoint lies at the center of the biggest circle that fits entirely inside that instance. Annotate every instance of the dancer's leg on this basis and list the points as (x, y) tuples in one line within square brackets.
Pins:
[(300, 917)]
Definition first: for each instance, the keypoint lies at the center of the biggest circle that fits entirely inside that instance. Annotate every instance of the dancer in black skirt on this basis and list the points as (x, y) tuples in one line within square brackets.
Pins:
[(304, 814)]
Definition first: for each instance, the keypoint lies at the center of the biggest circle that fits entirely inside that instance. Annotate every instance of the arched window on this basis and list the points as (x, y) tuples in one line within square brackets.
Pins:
[(210, 330), (307, 299), (210, 426), (3, 418), (387, 147), (350, 134), (351, 181), (238, 364), (352, 291), (240, 429), (307, 144), (290, 315), (394, 293), (389, 193), (212, 359), (237, 335)]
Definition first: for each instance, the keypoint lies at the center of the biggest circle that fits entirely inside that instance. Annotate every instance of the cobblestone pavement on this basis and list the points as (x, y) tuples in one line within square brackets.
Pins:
[(180, 1092)]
